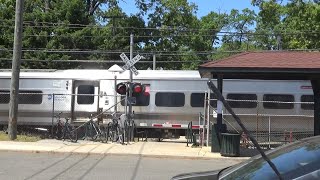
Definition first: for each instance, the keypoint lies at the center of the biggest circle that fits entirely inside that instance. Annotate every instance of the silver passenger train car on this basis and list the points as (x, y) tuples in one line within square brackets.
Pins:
[(172, 98)]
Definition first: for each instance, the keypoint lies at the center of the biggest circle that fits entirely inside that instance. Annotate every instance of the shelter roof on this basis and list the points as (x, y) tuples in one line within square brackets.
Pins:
[(266, 65)]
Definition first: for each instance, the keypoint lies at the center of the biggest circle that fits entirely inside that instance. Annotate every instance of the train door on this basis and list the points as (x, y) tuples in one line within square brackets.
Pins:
[(85, 98)]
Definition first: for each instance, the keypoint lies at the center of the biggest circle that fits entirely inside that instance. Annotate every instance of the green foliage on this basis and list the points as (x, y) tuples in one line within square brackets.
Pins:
[(240, 23), (58, 31), (297, 23), (302, 17)]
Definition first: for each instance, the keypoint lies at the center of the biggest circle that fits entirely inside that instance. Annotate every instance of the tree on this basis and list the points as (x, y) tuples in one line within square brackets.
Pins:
[(301, 24), (100, 30), (169, 24), (259, 2), (269, 25), (240, 24), (7, 9), (93, 5), (239, 28), (294, 23)]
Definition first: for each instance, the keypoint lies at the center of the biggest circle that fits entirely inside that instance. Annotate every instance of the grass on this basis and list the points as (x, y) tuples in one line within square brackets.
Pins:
[(20, 137)]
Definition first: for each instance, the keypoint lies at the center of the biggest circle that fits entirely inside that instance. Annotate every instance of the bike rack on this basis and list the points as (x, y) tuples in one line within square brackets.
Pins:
[(189, 134), (93, 130)]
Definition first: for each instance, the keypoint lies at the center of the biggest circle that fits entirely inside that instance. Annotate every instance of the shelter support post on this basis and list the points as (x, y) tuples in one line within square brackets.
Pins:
[(219, 103), (316, 92), (218, 127), (221, 128)]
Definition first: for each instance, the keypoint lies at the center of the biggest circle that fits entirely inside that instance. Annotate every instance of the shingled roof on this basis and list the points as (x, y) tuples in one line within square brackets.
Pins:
[(270, 59), (265, 63)]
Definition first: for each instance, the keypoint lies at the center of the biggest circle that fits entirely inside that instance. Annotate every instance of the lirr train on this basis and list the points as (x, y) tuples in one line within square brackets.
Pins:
[(172, 98)]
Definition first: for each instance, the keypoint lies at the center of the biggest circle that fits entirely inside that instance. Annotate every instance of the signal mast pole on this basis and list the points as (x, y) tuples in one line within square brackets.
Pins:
[(130, 92), (130, 89)]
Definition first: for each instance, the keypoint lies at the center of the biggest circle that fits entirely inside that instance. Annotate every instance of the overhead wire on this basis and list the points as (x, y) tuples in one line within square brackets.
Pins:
[(97, 61), (92, 51), (155, 52), (179, 33), (164, 28)]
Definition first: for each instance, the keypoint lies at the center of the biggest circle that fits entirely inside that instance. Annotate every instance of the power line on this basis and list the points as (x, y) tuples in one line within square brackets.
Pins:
[(118, 36), (98, 61), (165, 28), (150, 61), (158, 53), (245, 35), (90, 51), (81, 26)]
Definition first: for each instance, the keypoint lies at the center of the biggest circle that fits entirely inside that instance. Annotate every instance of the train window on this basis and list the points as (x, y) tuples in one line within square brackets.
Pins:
[(197, 100), (280, 98), (25, 97), (307, 98), (30, 97), (4, 97), (142, 99), (85, 99), (242, 104), (170, 99)]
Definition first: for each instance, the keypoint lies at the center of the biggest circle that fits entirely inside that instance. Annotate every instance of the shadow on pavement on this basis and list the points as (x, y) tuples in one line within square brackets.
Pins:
[(135, 172)]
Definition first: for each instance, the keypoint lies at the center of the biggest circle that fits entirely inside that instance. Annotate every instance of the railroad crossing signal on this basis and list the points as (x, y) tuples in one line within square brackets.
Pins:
[(136, 89), (129, 64), (123, 88)]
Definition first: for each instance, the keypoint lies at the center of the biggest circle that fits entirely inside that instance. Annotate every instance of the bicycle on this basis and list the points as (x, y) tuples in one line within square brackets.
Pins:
[(117, 130), (69, 131), (129, 126), (113, 130), (93, 130), (58, 128)]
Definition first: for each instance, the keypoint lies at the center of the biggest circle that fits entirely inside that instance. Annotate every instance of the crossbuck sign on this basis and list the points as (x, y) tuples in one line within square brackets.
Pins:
[(129, 64)]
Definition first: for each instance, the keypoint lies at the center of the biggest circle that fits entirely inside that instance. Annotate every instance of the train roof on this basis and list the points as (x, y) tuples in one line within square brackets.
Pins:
[(102, 74)]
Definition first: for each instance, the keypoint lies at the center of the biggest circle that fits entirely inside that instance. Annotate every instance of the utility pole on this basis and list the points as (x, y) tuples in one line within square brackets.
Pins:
[(16, 61), (154, 62), (46, 5), (113, 21), (279, 42)]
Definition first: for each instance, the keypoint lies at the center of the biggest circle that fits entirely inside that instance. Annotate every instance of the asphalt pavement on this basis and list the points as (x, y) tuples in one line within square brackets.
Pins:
[(53, 159), (68, 166)]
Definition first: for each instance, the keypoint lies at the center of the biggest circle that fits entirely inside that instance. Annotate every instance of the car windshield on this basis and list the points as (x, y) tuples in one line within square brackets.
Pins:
[(296, 157)]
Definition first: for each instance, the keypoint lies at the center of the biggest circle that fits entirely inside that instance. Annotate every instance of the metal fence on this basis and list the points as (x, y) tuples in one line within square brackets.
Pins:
[(272, 123), (38, 112)]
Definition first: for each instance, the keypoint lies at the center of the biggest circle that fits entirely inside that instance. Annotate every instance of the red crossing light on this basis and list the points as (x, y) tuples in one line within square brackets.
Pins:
[(121, 88), (137, 88)]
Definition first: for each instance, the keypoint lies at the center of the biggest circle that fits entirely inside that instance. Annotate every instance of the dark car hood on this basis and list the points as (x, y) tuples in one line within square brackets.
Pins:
[(212, 175)]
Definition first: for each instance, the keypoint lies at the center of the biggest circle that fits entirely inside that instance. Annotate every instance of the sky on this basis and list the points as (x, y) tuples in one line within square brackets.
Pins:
[(204, 6)]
